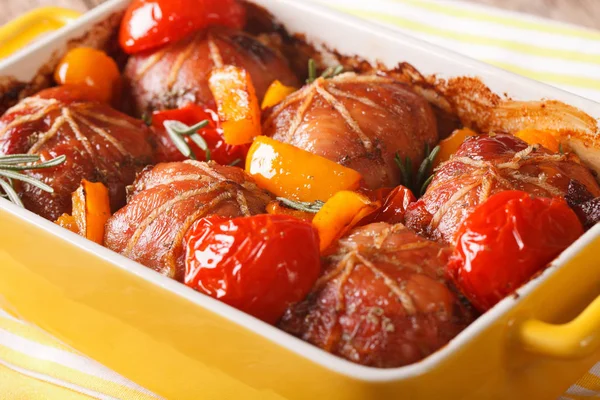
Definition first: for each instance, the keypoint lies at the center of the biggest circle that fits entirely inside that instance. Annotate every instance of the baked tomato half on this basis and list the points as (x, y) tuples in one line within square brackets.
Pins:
[(506, 241), (394, 202), (260, 264), (218, 150), (148, 24)]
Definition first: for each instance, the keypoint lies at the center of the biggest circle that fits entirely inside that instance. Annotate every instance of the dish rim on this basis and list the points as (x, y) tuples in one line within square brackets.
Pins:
[(270, 332)]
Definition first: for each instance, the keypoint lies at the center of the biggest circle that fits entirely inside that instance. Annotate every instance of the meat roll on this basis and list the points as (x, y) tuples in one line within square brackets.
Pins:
[(100, 143), (486, 165), (359, 121), (167, 199), (173, 76), (382, 300)]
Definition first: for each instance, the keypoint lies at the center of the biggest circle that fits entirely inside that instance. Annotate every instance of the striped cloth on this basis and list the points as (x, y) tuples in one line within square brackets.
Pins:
[(36, 366)]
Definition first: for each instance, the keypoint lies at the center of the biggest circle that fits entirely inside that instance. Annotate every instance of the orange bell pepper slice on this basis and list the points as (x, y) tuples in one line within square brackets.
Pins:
[(275, 207), (340, 214), (237, 104), (276, 92), (450, 145), (296, 174), (544, 138), (91, 210), (68, 222)]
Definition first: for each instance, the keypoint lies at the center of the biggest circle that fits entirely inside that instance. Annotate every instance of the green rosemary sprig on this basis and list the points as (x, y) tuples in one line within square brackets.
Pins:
[(147, 118), (12, 166), (235, 162), (329, 72), (312, 71), (313, 207), (178, 130), (418, 182)]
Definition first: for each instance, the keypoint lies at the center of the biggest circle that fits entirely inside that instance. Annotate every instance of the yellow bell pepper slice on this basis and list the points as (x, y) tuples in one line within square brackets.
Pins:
[(341, 213), (237, 104), (296, 174), (544, 138), (276, 92), (450, 145)]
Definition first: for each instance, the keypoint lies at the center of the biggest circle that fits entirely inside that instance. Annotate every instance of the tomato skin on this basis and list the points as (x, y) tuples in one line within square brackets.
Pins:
[(92, 69), (191, 114), (260, 264), (507, 240), (148, 24), (395, 202)]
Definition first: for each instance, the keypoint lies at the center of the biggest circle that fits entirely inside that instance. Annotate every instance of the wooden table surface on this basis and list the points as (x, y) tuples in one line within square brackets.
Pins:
[(581, 12)]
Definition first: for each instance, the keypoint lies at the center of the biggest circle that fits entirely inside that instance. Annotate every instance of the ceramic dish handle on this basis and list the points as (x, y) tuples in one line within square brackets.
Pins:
[(21, 31), (575, 339)]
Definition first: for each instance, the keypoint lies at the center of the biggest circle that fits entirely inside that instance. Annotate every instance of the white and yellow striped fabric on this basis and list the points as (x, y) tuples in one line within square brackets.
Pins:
[(36, 366), (561, 55)]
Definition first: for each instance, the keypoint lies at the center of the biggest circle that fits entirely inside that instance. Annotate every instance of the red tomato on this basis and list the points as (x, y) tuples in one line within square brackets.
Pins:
[(260, 264), (394, 205), (507, 240), (191, 114), (148, 24)]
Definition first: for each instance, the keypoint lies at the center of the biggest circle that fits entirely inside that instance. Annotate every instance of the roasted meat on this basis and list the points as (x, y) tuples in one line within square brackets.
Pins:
[(486, 165), (359, 121), (100, 143), (585, 205), (382, 300), (167, 199), (177, 74)]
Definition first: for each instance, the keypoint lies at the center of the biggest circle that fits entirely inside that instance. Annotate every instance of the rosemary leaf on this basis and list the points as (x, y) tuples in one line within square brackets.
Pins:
[(18, 159), (403, 172), (185, 130), (200, 142), (409, 172), (425, 185), (235, 162), (10, 167), (434, 153), (302, 205), (147, 118), (337, 70), (178, 141), (10, 192), (418, 182), (22, 177), (327, 73), (312, 71), (176, 130), (331, 72), (46, 164), (423, 171)]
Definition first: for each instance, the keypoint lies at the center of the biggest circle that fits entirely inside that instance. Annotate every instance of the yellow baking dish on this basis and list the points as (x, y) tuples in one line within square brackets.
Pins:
[(21, 31), (184, 345)]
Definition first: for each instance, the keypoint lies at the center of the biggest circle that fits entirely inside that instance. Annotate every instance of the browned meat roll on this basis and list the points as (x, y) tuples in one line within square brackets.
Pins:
[(359, 121), (173, 76), (382, 300), (100, 143), (486, 165), (167, 199)]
